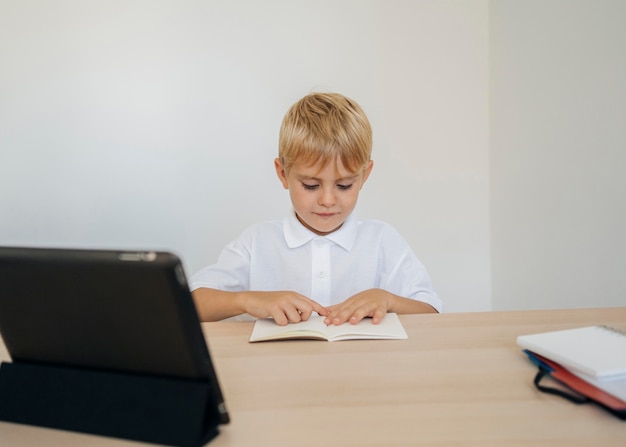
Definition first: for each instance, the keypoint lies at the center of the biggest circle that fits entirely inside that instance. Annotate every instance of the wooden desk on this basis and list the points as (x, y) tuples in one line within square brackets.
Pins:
[(459, 380)]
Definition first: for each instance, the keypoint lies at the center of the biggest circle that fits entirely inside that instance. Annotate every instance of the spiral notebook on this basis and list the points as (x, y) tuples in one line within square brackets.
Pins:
[(597, 351)]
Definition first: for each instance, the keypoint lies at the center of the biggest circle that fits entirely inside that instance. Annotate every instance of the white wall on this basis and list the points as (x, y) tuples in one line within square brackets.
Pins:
[(499, 130), (153, 124), (558, 153)]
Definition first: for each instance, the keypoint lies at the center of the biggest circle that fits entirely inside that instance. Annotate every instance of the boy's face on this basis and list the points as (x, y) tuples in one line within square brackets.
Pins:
[(323, 196)]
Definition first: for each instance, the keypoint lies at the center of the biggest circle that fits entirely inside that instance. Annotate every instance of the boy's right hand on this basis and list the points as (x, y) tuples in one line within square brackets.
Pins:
[(283, 306)]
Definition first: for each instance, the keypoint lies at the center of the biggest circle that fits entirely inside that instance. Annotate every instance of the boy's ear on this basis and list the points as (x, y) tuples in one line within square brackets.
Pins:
[(367, 171), (281, 173)]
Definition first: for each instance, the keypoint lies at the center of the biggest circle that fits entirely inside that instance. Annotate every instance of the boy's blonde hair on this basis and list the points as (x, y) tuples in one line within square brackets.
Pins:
[(323, 126)]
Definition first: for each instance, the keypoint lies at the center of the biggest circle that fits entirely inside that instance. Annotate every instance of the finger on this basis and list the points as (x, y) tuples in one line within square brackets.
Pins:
[(359, 314), (279, 318), (337, 313), (305, 312), (307, 307), (333, 308), (341, 315), (379, 314), (321, 310), (293, 314), (333, 316)]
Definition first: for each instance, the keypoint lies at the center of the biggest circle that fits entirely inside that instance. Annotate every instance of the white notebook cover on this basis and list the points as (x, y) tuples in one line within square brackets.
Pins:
[(597, 351)]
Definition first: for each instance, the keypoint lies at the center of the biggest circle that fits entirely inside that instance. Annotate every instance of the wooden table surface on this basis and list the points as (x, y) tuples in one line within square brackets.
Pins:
[(459, 380)]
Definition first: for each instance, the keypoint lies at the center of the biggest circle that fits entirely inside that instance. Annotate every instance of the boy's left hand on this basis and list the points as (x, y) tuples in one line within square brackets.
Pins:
[(372, 303)]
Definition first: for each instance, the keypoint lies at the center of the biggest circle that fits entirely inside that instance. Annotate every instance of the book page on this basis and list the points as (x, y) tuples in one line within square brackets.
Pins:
[(267, 329), (389, 328)]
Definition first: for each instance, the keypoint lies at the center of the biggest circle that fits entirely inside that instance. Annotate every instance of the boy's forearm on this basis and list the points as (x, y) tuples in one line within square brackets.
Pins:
[(215, 305), (401, 305)]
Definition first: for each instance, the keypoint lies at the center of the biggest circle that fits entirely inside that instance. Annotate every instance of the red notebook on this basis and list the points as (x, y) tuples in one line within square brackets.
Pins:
[(581, 386)]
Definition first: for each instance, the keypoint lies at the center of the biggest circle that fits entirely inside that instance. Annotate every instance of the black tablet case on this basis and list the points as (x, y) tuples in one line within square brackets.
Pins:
[(105, 342)]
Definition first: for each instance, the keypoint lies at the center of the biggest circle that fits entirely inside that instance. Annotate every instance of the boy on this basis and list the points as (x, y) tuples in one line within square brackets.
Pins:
[(321, 258)]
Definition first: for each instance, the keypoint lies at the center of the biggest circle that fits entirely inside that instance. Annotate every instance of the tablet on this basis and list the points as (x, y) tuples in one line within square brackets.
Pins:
[(123, 311)]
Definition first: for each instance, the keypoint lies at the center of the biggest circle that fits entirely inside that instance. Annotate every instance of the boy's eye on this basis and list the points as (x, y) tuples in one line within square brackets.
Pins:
[(313, 187)]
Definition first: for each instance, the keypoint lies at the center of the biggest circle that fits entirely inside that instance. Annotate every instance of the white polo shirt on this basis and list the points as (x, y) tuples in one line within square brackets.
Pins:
[(284, 255)]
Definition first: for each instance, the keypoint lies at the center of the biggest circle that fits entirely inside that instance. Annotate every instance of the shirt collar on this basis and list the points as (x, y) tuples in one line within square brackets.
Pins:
[(297, 234)]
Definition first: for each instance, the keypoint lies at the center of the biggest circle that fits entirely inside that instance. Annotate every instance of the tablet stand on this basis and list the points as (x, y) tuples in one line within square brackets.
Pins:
[(163, 410)]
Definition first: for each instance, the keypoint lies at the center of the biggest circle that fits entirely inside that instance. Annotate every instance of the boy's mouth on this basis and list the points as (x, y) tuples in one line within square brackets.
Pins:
[(326, 215)]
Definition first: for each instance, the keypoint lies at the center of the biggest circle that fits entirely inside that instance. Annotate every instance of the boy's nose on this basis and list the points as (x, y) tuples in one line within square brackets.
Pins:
[(327, 197)]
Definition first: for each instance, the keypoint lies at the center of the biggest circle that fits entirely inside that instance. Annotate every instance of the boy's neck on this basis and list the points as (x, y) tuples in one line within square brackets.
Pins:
[(319, 233)]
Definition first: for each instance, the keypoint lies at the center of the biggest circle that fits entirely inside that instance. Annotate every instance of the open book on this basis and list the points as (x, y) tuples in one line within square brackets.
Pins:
[(315, 329)]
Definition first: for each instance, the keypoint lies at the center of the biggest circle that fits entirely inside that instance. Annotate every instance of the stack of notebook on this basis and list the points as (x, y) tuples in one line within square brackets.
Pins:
[(590, 361)]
